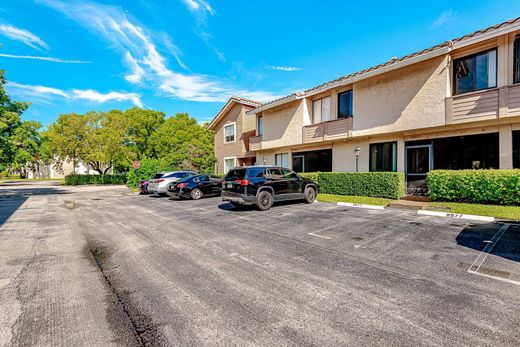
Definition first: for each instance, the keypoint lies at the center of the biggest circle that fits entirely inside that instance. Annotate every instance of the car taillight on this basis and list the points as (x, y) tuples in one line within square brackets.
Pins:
[(243, 182), (182, 185), (159, 181)]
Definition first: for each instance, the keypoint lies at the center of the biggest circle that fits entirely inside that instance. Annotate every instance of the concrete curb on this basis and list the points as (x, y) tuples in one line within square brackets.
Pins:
[(349, 204), (456, 215)]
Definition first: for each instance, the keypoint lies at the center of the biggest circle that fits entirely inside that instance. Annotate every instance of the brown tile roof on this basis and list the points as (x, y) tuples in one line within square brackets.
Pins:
[(396, 60)]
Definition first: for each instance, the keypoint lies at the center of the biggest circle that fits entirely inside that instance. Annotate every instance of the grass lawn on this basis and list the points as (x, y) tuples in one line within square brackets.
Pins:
[(505, 212), (353, 199)]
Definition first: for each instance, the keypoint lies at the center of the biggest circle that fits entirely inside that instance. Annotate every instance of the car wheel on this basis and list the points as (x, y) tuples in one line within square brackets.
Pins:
[(265, 200), (309, 195), (196, 194)]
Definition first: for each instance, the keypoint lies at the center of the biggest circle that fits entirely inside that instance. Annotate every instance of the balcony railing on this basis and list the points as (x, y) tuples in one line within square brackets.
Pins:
[(331, 130), (255, 143)]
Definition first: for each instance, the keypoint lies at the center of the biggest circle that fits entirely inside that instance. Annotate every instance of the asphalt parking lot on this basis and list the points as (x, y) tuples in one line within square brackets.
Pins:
[(101, 266)]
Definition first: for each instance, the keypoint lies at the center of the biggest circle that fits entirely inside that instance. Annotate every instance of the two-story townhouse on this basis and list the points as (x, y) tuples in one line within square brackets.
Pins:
[(452, 106), (233, 130)]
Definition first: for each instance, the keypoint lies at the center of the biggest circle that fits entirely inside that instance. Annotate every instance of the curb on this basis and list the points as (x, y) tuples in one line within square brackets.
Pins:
[(456, 215), (349, 204)]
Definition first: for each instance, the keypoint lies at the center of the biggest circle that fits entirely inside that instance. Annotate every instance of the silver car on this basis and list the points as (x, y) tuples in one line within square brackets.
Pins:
[(160, 182)]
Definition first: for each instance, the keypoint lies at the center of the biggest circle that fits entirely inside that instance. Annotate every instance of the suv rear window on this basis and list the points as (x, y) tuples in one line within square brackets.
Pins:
[(255, 173), (236, 174)]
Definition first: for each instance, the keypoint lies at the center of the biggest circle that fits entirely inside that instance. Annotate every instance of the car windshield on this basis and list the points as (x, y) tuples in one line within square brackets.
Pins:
[(158, 175), (236, 174)]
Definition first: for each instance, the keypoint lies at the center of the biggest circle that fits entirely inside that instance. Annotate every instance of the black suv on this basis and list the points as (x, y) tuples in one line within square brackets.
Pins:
[(263, 185)]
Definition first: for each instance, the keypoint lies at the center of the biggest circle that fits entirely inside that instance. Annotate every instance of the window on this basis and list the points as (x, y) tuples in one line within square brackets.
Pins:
[(313, 161), (383, 156), (516, 149), (281, 160), (345, 104), (229, 163), (289, 174), (259, 126), (516, 61), (321, 110), (229, 133), (236, 174), (475, 72), (255, 173)]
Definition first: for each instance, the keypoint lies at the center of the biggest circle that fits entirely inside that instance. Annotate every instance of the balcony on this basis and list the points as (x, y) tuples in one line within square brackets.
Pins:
[(327, 131), (255, 143)]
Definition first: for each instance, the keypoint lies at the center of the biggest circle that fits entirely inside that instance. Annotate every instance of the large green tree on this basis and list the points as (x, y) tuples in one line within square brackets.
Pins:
[(67, 136), (10, 120), (141, 126), (185, 144), (26, 141)]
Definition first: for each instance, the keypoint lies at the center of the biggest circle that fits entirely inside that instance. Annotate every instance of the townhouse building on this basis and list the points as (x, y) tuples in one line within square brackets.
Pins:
[(452, 106), (233, 129)]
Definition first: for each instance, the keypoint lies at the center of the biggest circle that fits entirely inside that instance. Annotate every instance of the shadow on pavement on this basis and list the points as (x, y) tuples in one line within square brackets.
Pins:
[(12, 198), (478, 236)]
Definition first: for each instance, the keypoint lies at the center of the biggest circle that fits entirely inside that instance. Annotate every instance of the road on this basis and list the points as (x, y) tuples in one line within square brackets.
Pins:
[(101, 266)]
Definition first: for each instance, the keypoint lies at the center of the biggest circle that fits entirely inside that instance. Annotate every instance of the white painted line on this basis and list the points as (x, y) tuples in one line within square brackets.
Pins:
[(323, 237), (489, 247), (495, 277), (456, 215), (372, 207)]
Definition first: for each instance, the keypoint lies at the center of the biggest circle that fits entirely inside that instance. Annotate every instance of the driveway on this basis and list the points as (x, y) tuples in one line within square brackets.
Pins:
[(102, 266)]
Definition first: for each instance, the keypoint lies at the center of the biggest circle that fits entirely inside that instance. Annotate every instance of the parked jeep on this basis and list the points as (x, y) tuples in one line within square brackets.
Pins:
[(263, 185)]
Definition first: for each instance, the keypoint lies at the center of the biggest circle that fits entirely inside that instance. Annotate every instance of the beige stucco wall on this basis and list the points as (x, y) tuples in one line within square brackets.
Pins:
[(409, 98), (243, 123), (283, 125)]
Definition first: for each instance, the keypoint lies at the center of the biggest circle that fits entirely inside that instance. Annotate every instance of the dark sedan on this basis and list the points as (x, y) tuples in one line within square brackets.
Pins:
[(195, 187)]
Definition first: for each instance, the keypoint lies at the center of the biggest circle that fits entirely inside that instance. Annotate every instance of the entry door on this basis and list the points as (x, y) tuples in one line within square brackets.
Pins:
[(419, 161), (298, 163)]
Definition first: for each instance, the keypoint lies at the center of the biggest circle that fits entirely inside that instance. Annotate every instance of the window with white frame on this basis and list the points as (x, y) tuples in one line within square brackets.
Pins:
[(282, 160), (259, 126), (229, 163), (229, 133), (321, 110)]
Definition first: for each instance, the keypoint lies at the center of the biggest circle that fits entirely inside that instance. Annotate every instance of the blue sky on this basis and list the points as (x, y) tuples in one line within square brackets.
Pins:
[(191, 55)]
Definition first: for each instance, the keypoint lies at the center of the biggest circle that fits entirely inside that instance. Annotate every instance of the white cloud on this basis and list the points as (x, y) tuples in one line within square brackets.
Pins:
[(285, 68), (445, 17), (93, 95), (22, 35), (51, 59), (199, 5), (42, 94), (142, 56)]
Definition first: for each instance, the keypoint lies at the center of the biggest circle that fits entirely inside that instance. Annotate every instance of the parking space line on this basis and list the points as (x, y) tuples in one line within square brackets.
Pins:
[(481, 258), (323, 237)]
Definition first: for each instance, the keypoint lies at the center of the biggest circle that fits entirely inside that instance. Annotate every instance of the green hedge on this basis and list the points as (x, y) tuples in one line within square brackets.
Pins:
[(375, 184), (74, 180), (500, 187)]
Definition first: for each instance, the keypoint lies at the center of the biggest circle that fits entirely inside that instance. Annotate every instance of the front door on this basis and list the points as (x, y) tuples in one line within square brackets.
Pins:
[(419, 161)]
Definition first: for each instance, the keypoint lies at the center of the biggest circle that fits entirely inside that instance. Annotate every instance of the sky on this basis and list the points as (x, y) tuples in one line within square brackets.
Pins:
[(191, 55)]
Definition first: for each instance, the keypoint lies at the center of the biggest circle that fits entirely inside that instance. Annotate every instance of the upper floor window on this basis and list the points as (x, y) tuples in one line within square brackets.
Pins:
[(229, 133), (475, 72), (516, 61), (321, 110), (345, 104), (259, 126)]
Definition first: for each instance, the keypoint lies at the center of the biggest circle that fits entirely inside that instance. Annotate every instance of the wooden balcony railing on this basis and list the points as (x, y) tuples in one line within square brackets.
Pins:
[(331, 130), (255, 143)]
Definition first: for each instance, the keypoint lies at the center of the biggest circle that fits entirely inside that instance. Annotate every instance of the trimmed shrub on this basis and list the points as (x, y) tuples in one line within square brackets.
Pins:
[(74, 180), (374, 184), (500, 187)]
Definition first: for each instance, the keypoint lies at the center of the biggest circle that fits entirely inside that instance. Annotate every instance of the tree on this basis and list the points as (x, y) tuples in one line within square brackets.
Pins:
[(67, 136), (141, 126), (104, 144), (184, 144), (10, 120), (26, 141)]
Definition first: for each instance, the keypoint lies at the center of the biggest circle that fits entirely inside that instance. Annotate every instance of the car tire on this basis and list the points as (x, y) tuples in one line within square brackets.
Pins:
[(264, 200), (309, 195), (196, 194)]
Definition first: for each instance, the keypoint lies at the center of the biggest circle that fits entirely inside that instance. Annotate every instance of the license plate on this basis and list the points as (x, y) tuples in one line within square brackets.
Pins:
[(230, 185)]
